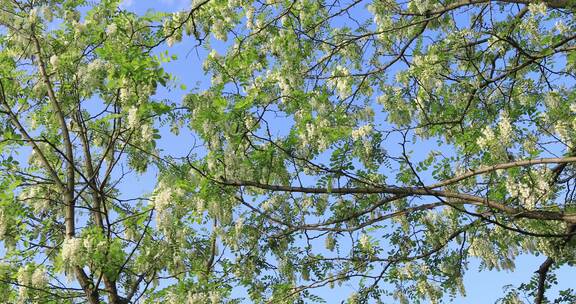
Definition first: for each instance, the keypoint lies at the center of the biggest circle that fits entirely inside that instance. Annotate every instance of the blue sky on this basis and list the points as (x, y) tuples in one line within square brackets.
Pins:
[(482, 287)]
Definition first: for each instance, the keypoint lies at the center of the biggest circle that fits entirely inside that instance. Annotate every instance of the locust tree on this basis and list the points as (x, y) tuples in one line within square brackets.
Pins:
[(378, 144), (77, 111)]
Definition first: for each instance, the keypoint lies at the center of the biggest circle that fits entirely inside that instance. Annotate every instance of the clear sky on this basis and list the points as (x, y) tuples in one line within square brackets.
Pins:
[(482, 287)]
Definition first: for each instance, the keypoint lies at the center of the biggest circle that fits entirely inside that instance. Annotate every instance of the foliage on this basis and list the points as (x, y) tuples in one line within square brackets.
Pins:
[(380, 144)]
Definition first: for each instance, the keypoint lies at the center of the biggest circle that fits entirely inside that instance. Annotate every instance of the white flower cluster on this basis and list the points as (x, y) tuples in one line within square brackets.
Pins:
[(493, 258), (54, 60), (162, 197), (342, 81), (202, 298), (133, 117), (249, 17), (563, 130), (487, 137), (146, 132), (111, 29), (365, 244), (239, 225), (220, 29), (313, 134), (428, 68), (361, 132), (561, 27), (35, 159), (530, 192), (505, 129), (3, 223), (163, 200), (551, 100), (286, 82), (33, 197), (72, 249), (420, 6), (30, 276), (537, 8)]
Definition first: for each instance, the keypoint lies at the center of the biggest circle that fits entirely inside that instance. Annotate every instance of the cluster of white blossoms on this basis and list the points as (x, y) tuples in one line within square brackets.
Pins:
[(54, 61), (361, 132), (249, 17), (239, 225), (487, 138), (313, 135), (561, 27), (111, 29), (4, 220), (428, 290), (203, 298), (564, 132), (133, 119), (30, 276), (342, 81), (427, 68), (537, 8), (419, 6), (381, 16), (365, 244), (35, 198), (493, 258), (505, 129), (164, 199), (530, 26), (286, 82), (93, 73), (146, 132), (72, 250), (530, 192)]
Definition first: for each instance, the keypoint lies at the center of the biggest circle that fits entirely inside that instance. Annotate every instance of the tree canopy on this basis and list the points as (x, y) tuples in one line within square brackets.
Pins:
[(382, 144)]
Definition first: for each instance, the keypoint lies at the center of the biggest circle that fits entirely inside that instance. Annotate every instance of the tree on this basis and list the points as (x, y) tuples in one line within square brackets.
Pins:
[(384, 144)]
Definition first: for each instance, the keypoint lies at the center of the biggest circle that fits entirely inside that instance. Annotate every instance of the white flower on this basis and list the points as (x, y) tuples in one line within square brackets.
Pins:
[(23, 278), (132, 117), (95, 65), (563, 133), (537, 8), (111, 29), (365, 242), (573, 107), (342, 81), (239, 224), (170, 41), (219, 30), (146, 133), (561, 27), (162, 198), (361, 132), (124, 94), (71, 251), (486, 138), (39, 277), (551, 99), (54, 61), (505, 128), (249, 17), (214, 297), (267, 205)]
